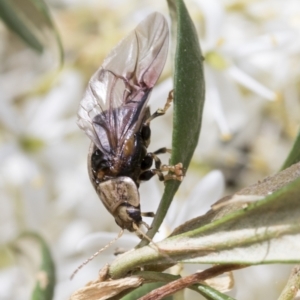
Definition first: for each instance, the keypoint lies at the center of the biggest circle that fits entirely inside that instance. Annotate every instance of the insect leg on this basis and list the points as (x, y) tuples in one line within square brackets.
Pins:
[(177, 171), (148, 214), (160, 111), (148, 159), (156, 158)]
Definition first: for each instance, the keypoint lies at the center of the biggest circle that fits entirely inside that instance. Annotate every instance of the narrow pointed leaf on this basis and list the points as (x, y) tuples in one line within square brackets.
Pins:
[(188, 101), (28, 18), (32, 248), (265, 231), (211, 293), (44, 11), (239, 229), (143, 290), (294, 155), (13, 20), (44, 288)]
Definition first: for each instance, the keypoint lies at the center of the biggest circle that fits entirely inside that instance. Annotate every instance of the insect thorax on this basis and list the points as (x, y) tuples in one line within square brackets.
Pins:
[(120, 156), (125, 160)]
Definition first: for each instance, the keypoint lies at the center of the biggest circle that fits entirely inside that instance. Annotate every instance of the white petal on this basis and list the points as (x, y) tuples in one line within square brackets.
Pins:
[(252, 84), (209, 189)]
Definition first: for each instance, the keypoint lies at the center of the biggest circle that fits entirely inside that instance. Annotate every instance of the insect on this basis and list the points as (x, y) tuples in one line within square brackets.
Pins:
[(115, 116)]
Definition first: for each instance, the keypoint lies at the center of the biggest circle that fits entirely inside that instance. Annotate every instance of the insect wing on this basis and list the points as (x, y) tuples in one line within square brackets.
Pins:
[(115, 100), (141, 55)]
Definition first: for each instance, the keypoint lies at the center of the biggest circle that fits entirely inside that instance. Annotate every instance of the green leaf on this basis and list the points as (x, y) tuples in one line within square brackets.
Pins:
[(258, 225), (44, 288), (245, 232), (14, 21), (44, 11), (294, 155), (35, 250), (188, 102), (143, 290), (189, 86), (28, 18), (211, 293)]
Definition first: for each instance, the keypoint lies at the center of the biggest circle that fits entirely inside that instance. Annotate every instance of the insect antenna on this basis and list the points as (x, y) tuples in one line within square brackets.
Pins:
[(96, 254), (141, 233)]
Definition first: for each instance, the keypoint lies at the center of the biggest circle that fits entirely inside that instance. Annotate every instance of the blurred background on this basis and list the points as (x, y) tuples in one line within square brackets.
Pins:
[(251, 117)]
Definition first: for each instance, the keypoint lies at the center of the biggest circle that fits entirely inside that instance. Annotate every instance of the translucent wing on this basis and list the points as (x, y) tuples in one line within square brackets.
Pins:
[(115, 100)]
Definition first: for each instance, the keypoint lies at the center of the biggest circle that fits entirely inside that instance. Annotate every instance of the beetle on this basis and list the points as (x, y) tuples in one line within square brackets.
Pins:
[(115, 116)]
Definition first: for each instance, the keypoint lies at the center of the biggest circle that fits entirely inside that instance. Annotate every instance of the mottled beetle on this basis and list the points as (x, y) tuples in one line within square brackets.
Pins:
[(115, 116)]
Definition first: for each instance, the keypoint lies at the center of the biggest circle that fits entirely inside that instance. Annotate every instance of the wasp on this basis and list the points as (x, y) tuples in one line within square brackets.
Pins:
[(115, 116)]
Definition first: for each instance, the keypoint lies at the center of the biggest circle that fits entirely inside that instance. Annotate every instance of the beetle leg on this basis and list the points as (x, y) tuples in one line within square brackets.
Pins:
[(147, 162), (148, 214), (156, 159), (160, 111), (163, 150), (177, 171), (148, 159), (147, 175)]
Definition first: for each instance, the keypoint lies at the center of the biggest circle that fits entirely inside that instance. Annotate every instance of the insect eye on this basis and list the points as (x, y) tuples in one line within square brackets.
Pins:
[(134, 213)]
